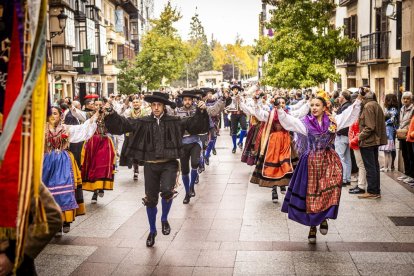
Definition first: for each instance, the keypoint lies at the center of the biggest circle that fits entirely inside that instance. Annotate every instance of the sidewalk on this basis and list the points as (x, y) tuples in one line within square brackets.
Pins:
[(232, 227)]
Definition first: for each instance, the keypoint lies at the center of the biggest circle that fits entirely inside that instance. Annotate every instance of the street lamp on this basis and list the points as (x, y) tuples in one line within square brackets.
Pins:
[(62, 17), (111, 44), (232, 63)]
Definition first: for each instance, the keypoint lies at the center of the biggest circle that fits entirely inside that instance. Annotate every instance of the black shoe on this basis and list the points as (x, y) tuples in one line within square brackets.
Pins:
[(192, 192), (135, 176), (323, 228), (344, 184), (234, 150), (66, 227), (214, 151), (151, 239), (207, 160), (166, 229), (101, 193), (275, 196), (197, 180), (357, 190), (186, 199), (312, 235), (94, 199), (283, 190)]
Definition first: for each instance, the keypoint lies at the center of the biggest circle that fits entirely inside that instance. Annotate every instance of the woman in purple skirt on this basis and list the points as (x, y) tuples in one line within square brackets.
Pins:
[(315, 188)]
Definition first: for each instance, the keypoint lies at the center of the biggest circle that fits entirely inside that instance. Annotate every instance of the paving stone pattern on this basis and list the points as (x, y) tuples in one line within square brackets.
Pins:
[(232, 228)]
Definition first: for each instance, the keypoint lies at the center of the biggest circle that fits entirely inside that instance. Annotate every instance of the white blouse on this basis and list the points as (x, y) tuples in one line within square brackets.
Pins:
[(83, 132), (343, 120)]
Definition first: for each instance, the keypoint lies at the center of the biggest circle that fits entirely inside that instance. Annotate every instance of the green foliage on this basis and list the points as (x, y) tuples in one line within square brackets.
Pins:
[(305, 44), (128, 83), (163, 54)]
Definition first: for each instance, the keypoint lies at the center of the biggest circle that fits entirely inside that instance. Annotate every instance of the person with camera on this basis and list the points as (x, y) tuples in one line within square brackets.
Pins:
[(315, 188), (157, 140)]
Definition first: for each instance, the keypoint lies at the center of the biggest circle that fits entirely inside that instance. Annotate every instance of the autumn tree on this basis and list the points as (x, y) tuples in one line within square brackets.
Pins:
[(304, 46)]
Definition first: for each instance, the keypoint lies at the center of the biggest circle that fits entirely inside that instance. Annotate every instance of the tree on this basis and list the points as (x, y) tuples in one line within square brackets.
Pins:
[(163, 54), (305, 45), (128, 81), (202, 59)]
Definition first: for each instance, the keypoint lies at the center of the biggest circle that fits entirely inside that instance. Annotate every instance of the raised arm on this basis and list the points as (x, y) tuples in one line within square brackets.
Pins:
[(349, 115), (78, 114), (216, 109), (291, 123), (118, 125), (260, 113), (82, 132), (301, 112), (247, 109)]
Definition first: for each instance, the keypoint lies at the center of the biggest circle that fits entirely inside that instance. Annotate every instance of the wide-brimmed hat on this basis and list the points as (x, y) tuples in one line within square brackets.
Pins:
[(189, 93), (208, 90), (159, 97), (238, 87)]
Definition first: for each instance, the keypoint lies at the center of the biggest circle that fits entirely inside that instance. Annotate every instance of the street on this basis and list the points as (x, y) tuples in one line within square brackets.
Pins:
[(232, 227)]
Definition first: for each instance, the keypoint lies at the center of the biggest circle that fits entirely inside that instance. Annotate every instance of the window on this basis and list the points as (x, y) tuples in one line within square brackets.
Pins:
[(350, 29)]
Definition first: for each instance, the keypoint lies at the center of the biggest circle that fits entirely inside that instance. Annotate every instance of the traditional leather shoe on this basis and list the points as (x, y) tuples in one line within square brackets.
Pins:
[(323, 228), (283, 190), (151, 239), (192, 192), (214, 152), (357, 190), (207, 160), (369, 196), (166, 229), (312, 235), (186, 199), (94, 199), (197, 180), (234, 150), (275, 196), (344, 184), (240, 145)]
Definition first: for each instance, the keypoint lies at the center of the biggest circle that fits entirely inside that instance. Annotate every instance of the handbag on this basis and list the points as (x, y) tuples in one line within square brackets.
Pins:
[(402, 134)]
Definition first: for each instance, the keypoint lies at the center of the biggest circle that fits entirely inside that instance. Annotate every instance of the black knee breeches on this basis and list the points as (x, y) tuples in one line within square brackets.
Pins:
[(159, 178), (235, 119), (189, 152)]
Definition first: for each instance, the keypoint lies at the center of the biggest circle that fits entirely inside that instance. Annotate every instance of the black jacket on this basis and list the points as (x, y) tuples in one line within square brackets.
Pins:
[(343, 132), (149, 141)]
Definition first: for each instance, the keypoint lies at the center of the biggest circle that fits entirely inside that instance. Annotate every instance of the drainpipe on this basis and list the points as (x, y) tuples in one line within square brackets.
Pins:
[(370, 30)]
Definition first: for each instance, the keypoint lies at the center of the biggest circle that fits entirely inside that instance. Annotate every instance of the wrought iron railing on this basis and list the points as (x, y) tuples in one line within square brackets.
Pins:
[(374, 46)]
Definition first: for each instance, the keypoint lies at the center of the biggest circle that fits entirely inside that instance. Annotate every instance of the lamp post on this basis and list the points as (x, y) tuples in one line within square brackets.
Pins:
[(232, 63), (111, 44), (62, 17)]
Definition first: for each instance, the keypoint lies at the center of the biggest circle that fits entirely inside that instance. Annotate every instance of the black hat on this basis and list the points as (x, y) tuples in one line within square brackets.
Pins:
[(189, 93), (208, 90), (239, 88), (199, 92), (160, 97)]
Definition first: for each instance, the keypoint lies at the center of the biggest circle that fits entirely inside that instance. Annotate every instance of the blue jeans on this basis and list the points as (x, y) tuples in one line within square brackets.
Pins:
[(344, 152)]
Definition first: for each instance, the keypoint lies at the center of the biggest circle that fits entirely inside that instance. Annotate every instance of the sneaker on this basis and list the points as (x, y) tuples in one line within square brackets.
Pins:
[(408, 180), (402, 178), (94, 197), (101, 193), (283, 190), (312, 235), (66, 227), (275, 196), (323, 228)]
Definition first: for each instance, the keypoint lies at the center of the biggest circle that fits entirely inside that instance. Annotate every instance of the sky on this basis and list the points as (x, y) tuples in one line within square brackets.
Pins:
[(222, 18)]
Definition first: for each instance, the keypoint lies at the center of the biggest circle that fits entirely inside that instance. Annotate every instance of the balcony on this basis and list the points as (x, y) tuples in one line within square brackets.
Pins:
[(350, 60), (374, 47), (344, 3), (129, 6)]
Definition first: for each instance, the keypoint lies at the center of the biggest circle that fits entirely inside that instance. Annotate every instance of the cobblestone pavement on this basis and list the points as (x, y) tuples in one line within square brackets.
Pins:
[(232, 227)]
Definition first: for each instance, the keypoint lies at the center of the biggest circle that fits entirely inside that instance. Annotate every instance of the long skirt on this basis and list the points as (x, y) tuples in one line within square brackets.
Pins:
[(249, 155), (315, 189), (61, 176), (98, 161)]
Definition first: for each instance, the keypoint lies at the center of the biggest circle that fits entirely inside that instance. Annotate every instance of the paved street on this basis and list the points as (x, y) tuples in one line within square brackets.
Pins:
[(232, 227)]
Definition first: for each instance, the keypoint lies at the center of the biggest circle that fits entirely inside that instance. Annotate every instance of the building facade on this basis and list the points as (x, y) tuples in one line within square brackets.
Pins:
[(82, 55)]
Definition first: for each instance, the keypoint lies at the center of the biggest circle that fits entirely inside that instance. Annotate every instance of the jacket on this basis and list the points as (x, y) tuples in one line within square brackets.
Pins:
[(343, 132), (353, 135), (150, 140), (372, 125), (406, 113)]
